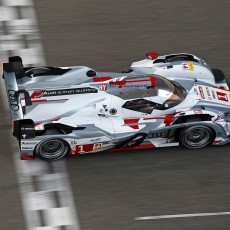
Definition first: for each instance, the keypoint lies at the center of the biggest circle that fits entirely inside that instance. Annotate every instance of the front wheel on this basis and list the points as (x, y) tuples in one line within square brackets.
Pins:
[(51, 149), (195, 137)]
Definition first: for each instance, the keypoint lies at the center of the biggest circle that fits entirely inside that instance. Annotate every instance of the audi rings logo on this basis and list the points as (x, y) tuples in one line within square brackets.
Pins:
[(13, 101)]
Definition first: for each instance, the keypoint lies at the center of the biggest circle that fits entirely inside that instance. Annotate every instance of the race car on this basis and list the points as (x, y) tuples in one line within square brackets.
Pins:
[(60, 111), (182, 66)]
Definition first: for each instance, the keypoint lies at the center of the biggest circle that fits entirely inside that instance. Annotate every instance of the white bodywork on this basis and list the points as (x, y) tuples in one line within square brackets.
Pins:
[(141, 108)]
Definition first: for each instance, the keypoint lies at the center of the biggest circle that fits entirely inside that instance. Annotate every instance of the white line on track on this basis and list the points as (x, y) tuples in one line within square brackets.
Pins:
[(183, 215)]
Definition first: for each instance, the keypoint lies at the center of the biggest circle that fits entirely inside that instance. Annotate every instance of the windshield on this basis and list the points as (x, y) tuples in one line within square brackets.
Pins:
[(140, 96), (178, 93), (164, 84)]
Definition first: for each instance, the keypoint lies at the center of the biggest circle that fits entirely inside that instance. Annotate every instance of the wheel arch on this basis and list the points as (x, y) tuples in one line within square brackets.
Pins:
[(191, 119), (66, 129), (49, 135)]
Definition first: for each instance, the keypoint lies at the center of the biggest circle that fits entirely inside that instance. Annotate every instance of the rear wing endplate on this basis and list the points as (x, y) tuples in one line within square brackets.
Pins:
[(11, 88)]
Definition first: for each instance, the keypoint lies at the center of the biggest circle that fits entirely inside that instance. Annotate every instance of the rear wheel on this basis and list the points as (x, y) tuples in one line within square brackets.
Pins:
[(195, 137), (52, 148)]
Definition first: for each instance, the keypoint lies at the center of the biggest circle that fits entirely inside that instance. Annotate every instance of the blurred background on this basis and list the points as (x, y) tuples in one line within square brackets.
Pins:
[(110, 190)]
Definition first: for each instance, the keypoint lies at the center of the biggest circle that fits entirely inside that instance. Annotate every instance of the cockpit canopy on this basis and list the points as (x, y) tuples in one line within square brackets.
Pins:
[(142, 100)]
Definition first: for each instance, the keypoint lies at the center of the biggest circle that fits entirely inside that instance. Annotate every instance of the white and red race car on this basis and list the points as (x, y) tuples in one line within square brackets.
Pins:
[(161, 101)]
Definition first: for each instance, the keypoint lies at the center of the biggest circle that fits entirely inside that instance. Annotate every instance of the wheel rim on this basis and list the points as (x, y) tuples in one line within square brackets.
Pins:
[(52, 149), (197, 137)]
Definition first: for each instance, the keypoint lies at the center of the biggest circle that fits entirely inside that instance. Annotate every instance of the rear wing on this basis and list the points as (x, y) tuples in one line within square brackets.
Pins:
[(9, 75), (13, 70)]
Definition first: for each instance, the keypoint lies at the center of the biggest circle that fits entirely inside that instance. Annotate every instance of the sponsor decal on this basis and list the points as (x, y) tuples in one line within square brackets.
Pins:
[(61, 92), (222, 96), (208, 92), (187, 66), (98, 147), (103, 87), (184, 66), (13, 100), (29, 142), (27, 128), (158, 134), (27, 148), (191, 66), (27, 131), (96, 139), (28, 145), (201, 92), (213, 94)]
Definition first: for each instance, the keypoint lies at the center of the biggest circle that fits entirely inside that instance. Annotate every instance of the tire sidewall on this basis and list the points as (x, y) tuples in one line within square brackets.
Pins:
[(185, 131), (40, 144)]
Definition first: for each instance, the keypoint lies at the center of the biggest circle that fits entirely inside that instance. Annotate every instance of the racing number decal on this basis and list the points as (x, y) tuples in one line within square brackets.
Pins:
[(81, 149), (222, 96), (187, 66)]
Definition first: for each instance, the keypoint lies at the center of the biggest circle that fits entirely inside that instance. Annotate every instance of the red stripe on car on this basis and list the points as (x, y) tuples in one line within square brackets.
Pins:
[(37, 94), (133, 123), (100, 79)]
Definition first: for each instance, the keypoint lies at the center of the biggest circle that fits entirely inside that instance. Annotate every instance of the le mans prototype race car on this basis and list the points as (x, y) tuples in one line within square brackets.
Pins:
[(161, 101)]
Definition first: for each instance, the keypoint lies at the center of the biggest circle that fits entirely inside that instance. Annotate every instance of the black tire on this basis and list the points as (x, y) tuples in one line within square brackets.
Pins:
[(51, 149), (196, 136)]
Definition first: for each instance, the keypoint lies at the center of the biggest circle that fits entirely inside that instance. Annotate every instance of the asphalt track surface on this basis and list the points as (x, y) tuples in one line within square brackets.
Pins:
[(112, 189)]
